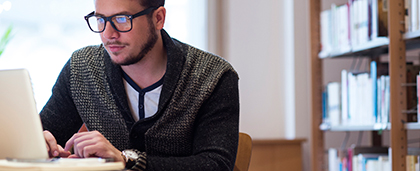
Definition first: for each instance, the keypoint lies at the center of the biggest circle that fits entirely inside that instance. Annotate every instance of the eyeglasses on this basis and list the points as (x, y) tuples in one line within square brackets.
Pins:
[(120, 22)]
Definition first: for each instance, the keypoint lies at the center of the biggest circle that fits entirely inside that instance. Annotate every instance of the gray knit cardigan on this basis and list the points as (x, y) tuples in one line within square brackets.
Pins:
[(195, 127)]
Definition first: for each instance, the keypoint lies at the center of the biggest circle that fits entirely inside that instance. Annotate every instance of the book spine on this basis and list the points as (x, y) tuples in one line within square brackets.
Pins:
[(373, 76)]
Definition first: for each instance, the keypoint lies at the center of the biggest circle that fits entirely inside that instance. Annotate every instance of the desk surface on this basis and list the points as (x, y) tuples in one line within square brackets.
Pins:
[(62, 165)]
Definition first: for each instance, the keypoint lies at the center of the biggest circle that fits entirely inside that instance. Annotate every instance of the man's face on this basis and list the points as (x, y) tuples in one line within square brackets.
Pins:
[(129, 47)]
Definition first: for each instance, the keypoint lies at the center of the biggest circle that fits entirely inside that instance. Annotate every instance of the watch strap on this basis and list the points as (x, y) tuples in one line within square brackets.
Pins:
[(136, 164), (140, 162)]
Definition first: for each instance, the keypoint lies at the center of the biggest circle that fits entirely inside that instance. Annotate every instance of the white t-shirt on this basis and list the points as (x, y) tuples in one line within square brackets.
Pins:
[(143, 103)]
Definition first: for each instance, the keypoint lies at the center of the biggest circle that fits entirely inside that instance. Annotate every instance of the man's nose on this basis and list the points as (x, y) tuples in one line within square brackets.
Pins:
[(110, 32)]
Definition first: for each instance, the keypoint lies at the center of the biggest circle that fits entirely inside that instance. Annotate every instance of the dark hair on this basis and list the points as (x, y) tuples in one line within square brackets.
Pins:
[(152, 3)]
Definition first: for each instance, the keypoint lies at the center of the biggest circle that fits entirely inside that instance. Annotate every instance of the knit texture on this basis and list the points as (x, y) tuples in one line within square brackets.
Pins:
[(98, 109), (194, 128)]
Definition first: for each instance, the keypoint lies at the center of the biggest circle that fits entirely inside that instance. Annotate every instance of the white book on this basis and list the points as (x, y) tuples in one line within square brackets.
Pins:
[(374, 23), (333, 159), (414, 15), (384, 163), (364, 96), (385, 112), (383, 100), (334, 27), (379, 99), (352, 89), (325, 33), (343, 29), (417, 13), (356, 21), (363, 22), (334, 113), (344, 98), (372, 165), (355, 164), (353, 24)]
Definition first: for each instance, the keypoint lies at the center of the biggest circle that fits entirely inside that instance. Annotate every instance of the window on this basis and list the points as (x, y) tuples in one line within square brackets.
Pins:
[(46, 32)]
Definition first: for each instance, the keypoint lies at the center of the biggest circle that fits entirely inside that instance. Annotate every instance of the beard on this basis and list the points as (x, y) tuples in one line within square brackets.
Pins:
[(146, 48)]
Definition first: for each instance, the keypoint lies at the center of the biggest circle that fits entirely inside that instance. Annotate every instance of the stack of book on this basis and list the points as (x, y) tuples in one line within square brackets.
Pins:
[(347, 27), (363, 98), (359, 159)]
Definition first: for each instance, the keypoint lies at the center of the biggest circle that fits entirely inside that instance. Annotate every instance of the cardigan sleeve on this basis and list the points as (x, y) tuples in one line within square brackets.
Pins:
[(216, 133), (59, 115)]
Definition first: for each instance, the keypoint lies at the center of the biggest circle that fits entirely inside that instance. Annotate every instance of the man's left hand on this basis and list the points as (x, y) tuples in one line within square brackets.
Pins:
[(92, 144)]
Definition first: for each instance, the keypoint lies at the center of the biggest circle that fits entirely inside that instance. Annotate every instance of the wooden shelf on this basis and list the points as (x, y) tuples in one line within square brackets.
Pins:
[(395, 46), (412, 35), (412, 126), (377, 46), (343, 128)]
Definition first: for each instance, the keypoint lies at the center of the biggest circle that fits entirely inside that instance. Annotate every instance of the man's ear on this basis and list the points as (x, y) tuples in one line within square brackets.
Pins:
[(159, 17)]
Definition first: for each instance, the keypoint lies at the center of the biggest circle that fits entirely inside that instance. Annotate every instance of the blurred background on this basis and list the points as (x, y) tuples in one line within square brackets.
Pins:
[(46, 32)]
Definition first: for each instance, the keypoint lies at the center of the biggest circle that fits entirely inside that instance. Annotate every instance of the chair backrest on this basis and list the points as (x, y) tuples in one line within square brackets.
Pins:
[(243, 156)]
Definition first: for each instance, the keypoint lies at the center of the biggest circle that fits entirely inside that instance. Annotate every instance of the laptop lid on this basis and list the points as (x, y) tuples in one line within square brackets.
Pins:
[(21, 134)]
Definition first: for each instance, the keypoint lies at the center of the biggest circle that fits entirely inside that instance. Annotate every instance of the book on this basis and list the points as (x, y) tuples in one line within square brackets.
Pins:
[(373, 76), (326, 46), (362, 158), (418, 97), (411, 78), (363, 22), (407, 17), (373, 18), (414, 15), (344, 98), (334, 110), (342, 23), (383, 18), (411, 161), (333, 163)]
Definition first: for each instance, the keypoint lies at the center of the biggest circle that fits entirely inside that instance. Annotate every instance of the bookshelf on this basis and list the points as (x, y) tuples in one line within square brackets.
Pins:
[(396, 44)]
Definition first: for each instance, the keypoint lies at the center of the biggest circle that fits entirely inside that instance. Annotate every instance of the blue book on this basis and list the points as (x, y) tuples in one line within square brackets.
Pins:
[(324, 106), (373, 76)]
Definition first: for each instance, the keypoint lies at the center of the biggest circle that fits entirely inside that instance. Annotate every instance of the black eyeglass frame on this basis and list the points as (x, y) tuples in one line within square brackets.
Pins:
[(106, 19)]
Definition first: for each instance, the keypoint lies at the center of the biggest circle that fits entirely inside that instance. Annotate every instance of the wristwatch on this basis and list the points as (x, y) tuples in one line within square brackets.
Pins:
[(130, 157)]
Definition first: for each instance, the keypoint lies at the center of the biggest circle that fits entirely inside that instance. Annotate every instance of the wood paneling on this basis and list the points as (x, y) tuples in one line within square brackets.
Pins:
[(276, 155)]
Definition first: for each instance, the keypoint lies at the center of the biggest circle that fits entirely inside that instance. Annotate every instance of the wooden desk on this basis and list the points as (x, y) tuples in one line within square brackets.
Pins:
[(276, 155), (62, 165)]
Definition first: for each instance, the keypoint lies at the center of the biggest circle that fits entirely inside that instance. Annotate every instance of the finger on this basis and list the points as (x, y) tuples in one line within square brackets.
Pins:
[(81, 144), (71, 141), (62, 152), (51, 143), (89, 151), (73, 156)]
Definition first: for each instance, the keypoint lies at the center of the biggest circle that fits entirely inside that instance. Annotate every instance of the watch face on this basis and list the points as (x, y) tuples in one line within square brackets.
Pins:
[(131, 154)]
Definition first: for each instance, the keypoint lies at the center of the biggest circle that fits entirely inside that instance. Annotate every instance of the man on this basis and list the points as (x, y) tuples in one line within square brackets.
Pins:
[(147, 99)]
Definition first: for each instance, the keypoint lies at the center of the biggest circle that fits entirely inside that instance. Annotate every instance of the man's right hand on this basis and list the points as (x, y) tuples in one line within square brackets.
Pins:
[(54, 149)]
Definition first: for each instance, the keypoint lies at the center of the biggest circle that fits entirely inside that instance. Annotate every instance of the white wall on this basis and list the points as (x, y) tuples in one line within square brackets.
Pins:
[(268, 44), (269, 47), (254, 48)]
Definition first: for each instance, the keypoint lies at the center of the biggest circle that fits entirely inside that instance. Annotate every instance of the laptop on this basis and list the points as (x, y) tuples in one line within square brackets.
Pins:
[(21, 133), (22, 143)]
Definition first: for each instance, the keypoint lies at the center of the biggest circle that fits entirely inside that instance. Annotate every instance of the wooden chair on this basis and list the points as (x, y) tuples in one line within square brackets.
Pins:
[(243, 156)]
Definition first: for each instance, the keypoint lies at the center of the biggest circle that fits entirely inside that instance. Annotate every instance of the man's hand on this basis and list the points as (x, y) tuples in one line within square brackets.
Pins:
[(54, 150), (92, 144)]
